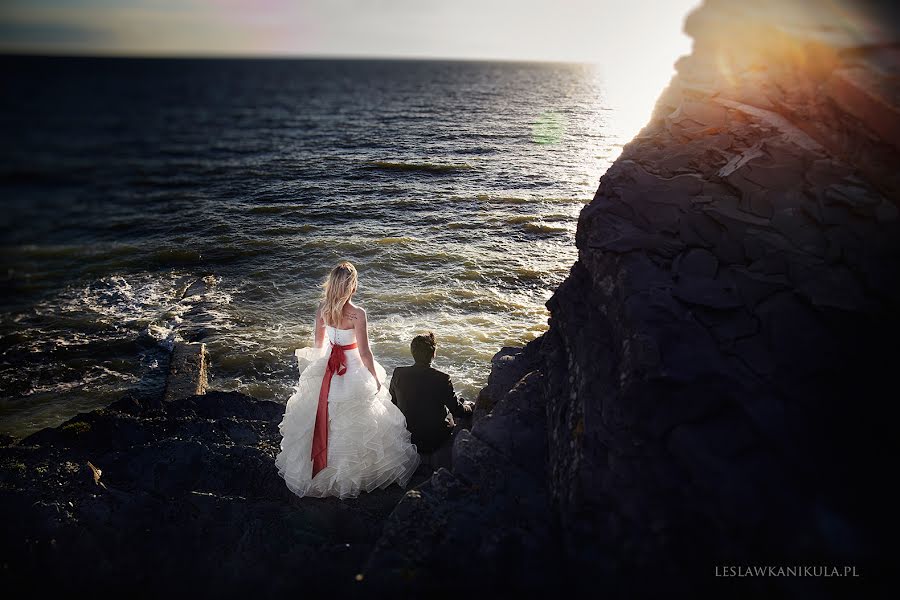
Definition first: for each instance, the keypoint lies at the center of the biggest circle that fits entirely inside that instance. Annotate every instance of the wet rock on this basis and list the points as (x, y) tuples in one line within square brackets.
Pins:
[(200, 286), (187, 371), (616, 235), (835, 286), (726, 212), (515, 426), (727, 326), (508, 366), (696, 229), (186, 487), (697, 262), (754, 286), (798, 341), (487, 506), (804, 233), (706, 292), (851, 195)]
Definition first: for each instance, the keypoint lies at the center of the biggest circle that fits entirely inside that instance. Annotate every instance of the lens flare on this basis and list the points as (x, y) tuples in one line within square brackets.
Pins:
[(549, 128)]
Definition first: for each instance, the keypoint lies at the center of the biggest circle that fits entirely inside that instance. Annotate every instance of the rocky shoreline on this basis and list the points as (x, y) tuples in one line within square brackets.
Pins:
[(710, 391), (185, 500)]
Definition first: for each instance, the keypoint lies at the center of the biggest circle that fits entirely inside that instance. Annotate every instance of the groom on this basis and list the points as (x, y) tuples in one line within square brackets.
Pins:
[(426, 398)]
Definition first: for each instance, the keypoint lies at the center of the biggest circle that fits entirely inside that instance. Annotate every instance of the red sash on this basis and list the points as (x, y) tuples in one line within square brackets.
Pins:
[(337, 365)]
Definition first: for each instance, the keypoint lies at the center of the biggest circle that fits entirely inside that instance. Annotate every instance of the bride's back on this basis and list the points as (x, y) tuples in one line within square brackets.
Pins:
[(341, 337), (349, 317)]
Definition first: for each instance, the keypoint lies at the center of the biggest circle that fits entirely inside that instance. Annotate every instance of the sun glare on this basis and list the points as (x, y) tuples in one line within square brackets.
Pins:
[(630, 85)]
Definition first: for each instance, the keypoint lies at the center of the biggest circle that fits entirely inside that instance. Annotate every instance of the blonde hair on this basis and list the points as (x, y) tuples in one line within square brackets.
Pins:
[(339, 286)]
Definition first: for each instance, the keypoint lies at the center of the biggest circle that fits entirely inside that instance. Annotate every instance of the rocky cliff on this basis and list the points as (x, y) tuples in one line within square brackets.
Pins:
[(714, 385)]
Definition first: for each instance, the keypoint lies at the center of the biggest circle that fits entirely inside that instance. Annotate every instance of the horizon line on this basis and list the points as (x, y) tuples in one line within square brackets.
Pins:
[(4, 52)]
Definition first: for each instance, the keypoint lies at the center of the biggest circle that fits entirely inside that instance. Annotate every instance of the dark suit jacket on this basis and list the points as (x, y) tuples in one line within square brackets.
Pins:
[(424, 395)]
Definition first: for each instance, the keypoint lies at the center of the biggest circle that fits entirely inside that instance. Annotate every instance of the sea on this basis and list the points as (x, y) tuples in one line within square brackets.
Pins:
[(453, 186)]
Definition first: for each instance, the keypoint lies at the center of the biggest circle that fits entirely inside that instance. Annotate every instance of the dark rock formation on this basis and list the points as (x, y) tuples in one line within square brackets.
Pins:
[(712, 388), (189, 288), (489, 524), (187, 371), (176, 499)]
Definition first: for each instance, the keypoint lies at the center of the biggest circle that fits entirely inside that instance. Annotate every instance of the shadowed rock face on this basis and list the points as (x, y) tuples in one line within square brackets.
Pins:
[(711, 391), (188, 502)]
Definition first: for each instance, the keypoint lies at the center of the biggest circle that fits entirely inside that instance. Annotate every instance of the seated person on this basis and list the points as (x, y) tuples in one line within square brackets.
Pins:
[(426, 397)]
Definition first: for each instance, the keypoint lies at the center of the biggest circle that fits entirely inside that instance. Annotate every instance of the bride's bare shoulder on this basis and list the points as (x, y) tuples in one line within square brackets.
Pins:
[(355, 312)]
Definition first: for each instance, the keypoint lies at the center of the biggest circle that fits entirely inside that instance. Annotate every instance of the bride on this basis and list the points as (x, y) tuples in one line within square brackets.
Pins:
[(341, 432)]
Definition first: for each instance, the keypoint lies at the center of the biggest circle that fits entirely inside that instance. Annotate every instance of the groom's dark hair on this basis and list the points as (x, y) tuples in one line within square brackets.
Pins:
[(422, 348)]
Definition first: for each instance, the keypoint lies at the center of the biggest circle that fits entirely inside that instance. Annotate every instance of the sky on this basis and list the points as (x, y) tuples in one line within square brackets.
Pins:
[(553, 30), (634, 43)]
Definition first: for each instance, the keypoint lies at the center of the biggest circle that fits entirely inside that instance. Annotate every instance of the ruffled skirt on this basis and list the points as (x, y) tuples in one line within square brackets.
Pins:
[(368, 443)]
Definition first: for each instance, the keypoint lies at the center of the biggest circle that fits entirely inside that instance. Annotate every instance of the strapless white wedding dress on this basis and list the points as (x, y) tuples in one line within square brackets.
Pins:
[(368, 443)]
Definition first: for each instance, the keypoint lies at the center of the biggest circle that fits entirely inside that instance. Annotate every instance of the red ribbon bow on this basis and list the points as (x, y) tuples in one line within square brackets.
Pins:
[(337, 365)]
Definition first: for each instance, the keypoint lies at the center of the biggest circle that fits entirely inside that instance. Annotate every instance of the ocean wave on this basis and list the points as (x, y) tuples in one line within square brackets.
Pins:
[(50, 251), (463, 225), (438, 258), (542, 227), (396, 240), (148, 306), (519, 219), (175, 256), (288, 229), (465, 300), (92, 376), (270, 210), (342, 244), (237, 249), (528, 274), (566, 217), (74, 251), (472, 275), (565, 200), (503, 199), (425, 167), (404, 203)]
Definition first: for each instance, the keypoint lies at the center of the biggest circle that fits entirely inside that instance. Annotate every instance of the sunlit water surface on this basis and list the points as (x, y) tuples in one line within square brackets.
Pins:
[(454, 187)]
